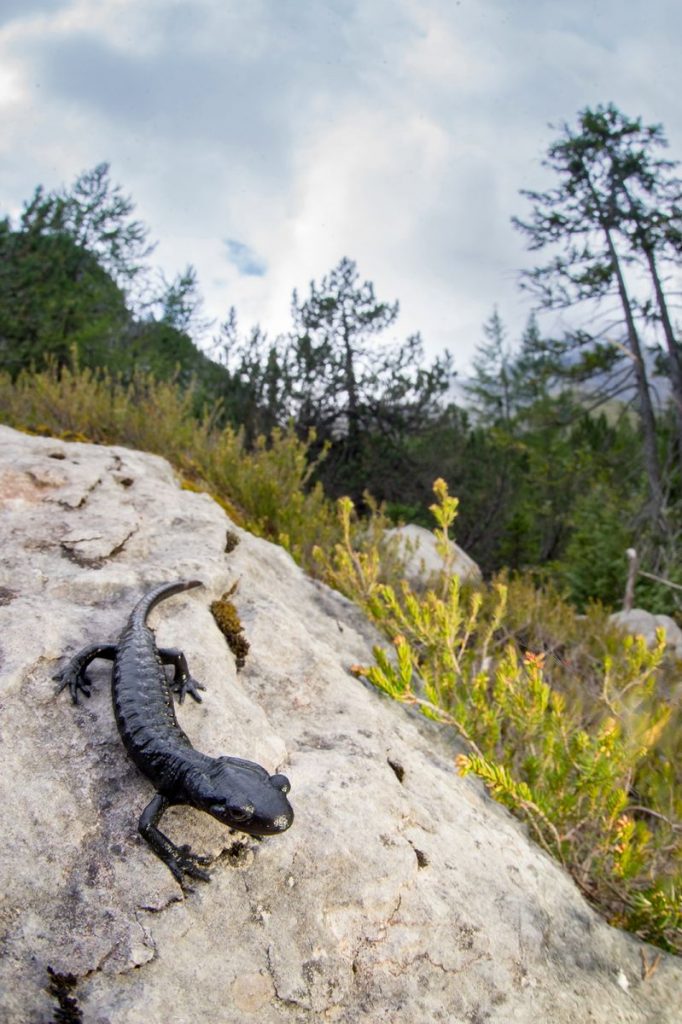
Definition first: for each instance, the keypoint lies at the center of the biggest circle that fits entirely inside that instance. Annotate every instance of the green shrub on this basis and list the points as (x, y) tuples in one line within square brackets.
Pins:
[(594, 560), (574, 727)]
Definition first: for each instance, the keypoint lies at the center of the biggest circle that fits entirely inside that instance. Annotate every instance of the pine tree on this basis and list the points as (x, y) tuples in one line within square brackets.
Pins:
[(364, 397), (491, 383), (615, 204)]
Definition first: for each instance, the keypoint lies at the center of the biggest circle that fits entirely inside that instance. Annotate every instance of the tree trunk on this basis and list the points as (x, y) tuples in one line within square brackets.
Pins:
[(352, 392), (646, 409), (674, 358)]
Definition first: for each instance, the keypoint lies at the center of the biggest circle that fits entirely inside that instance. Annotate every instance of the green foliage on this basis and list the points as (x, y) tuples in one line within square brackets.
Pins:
[(573, 727), (399, 513), (67, 273), (271, 483), (334, 375), (100, 407), (527, 458), (551, 484), (616, 204), (530, 456), (96, 216), (593, 561), (54, 295), (655, 912), (64, 275), (613, 190), (492, 385), (361, 396), (181, 303)]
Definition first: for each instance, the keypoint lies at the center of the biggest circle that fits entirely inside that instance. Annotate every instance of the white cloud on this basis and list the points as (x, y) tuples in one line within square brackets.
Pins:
[(10, 87), (396, 132), (446, 57)]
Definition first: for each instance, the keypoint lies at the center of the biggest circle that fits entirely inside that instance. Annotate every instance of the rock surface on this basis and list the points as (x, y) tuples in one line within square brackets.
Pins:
[(401, 894), (422, 560), (643, 623)]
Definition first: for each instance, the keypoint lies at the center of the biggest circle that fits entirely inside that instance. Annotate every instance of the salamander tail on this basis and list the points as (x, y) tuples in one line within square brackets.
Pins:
[(160, 593)]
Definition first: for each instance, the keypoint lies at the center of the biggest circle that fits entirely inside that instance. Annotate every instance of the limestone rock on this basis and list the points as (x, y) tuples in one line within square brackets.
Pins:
[(401, 893), (417, 547), (642, 623)]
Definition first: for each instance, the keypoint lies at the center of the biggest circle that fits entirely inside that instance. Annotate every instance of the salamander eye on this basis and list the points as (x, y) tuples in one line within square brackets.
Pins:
[(231, 812), (241, 813)]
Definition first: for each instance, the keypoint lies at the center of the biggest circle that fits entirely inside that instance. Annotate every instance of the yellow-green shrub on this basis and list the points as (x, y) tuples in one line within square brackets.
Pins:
[(571, 725)]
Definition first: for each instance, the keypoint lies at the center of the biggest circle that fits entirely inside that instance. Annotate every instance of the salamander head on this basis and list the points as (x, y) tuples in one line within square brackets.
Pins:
[(245, 797)]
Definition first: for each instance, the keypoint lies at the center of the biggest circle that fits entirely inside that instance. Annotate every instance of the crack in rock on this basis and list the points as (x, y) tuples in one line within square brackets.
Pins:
[(95, 560), (291, 1000), (170, 901), (76, 498)]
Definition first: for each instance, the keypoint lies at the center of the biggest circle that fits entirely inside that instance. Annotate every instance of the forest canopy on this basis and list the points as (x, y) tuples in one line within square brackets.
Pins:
[(560, 450)]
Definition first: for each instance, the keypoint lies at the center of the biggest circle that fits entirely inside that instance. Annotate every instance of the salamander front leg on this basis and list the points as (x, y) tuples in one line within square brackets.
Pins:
[(179, 859), (73, 674), (182, 680)]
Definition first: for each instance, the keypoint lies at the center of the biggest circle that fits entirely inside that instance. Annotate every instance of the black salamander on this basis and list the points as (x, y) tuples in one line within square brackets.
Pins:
[(238, 793)]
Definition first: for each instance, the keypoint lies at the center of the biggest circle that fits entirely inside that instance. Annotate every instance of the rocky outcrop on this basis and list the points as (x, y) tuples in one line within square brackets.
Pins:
[(643, 623), (416, 548), (400, 894)]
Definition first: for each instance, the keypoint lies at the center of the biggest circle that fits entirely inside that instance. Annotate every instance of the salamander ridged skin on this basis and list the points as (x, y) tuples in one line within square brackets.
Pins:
[(239, 793), (143, 701)]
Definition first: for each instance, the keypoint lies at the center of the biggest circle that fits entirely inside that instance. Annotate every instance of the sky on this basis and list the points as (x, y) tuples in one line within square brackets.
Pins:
[(262, 141)]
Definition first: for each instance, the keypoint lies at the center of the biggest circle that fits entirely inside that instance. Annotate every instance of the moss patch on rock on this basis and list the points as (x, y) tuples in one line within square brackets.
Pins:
[(228, 622)]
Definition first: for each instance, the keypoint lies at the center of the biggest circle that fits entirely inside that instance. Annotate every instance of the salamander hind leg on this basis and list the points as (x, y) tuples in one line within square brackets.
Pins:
[(180, 860), (182, 683), (74, 675)]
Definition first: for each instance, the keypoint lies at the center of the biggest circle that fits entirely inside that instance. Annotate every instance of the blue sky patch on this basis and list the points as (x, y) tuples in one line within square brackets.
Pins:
[(245, 259)]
